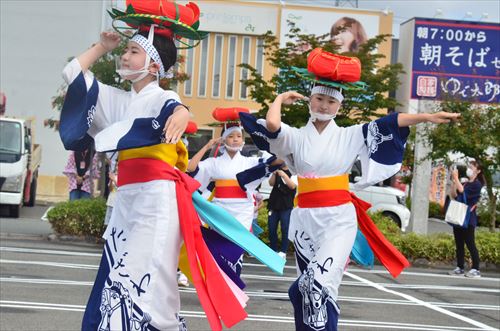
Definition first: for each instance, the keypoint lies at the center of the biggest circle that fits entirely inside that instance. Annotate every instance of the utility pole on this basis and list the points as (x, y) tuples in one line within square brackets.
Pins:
[(421, 175)]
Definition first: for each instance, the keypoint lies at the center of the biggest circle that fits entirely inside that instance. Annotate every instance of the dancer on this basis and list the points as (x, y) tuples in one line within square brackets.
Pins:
[(136, 285), (223, 170), (323, 227)]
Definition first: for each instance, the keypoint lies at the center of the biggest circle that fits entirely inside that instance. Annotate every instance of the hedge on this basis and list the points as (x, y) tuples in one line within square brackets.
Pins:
[(86, 218), (83, 217)]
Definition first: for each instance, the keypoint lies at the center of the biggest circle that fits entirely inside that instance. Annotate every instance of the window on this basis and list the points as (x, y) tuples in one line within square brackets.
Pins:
[(216, 75), (259, 57), (231, 61), (188, 84), (202, 78), (245, 58)]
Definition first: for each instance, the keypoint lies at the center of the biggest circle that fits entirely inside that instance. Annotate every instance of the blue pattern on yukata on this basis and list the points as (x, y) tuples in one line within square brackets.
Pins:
[(257, 130), (116, 303), (383, 137), (77, 114), (258, 172), (147, 131), (314, 307)]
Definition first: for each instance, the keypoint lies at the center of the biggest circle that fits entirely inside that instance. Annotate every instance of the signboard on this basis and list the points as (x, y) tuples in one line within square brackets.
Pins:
[(237, 18), (320, 21), (437, 192), (457, 60)]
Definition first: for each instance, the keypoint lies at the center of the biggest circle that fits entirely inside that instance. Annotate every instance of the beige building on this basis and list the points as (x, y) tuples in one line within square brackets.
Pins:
[(235, 29)]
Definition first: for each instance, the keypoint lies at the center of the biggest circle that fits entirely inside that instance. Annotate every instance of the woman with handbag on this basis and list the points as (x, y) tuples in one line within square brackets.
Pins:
[(468, 193)]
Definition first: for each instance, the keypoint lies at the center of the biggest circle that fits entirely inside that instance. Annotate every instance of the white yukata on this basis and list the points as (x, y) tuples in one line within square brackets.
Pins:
[(136, 287), (324, 236), (222, 168)]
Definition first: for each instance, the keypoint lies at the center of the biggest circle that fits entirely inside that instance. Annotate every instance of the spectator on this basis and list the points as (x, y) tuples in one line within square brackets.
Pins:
[(469, 193), (112, 185), (81, 174), (280, 206)]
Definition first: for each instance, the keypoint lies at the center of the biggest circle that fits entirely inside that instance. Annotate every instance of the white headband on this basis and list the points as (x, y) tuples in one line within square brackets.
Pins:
[(230, 130), (334, 93), (147, 45)]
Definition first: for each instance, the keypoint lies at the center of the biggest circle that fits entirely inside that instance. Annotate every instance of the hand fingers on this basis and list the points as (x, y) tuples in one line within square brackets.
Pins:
[(173, 132), (296, 94)]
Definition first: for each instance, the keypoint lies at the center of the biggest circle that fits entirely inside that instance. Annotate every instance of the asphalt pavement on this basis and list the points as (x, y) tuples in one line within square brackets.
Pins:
[(44, 285)]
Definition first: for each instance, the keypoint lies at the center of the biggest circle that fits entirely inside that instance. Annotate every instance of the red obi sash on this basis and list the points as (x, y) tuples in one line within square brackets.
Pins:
[(215, 295), (331, 192), (228, 188)]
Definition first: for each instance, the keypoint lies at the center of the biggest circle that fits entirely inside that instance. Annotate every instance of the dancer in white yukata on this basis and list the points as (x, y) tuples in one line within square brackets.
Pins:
[(323, 227), (136, 285), (223, 170)]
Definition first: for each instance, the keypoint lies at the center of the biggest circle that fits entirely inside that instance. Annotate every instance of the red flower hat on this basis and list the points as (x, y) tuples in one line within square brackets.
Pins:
[(227, 117), (332, 70), (173, 20)]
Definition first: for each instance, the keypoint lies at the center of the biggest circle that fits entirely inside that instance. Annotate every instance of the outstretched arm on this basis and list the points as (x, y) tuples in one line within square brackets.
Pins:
[(438, 118), (108, 42), (195, 160), (273, 117)]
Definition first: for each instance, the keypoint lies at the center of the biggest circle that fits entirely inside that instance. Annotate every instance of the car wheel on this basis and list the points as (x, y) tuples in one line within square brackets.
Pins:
[(31, 202), (393, 217), (14, 211)]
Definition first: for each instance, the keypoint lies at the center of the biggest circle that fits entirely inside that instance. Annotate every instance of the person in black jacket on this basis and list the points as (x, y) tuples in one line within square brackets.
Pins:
[(466, 236), (280, 206)]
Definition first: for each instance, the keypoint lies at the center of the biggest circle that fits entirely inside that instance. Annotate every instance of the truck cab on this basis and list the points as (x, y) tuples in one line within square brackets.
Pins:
[(19, 163)]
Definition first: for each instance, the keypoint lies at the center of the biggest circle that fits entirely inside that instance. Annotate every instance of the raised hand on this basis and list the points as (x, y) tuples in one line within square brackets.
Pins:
[(290, 97), (213, 142), (109, 40)]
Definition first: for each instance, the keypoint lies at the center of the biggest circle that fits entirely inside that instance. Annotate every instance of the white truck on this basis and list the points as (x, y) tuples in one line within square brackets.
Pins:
[(19, 162)]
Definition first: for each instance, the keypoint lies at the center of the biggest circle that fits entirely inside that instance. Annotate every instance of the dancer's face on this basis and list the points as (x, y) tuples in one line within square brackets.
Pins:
[(133, 57), (234, 139), (324, 104)]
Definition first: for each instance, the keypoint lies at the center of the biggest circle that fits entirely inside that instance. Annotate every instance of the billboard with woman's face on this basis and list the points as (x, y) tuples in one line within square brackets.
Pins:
[(348, 30)]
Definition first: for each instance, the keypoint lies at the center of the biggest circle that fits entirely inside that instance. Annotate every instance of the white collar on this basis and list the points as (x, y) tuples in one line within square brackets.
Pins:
[(146, 89)]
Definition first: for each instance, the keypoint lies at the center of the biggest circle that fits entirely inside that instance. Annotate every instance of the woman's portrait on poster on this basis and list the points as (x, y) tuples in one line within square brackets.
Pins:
[(348, 34)]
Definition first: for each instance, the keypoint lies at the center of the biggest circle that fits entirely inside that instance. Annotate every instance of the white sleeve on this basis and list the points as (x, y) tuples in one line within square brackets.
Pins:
[(284, 143), (204, 172), (108, 100)]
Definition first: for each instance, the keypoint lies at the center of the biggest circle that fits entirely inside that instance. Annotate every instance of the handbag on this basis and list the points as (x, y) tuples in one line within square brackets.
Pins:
[(458, 213)]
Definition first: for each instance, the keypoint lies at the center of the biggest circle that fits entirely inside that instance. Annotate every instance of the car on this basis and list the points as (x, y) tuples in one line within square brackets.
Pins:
[(390, 201)]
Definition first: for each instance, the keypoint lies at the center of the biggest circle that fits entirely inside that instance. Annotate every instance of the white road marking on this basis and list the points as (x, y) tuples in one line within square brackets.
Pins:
[(251, 317), (482, 326), (262, 294)]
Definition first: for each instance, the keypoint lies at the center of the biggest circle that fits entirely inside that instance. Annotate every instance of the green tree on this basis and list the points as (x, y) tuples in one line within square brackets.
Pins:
[(104, 71), (359, 106), (476, 135)]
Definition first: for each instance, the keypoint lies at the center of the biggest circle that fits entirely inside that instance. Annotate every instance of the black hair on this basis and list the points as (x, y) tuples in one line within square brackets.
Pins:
[(165, 47), (480, 176)]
